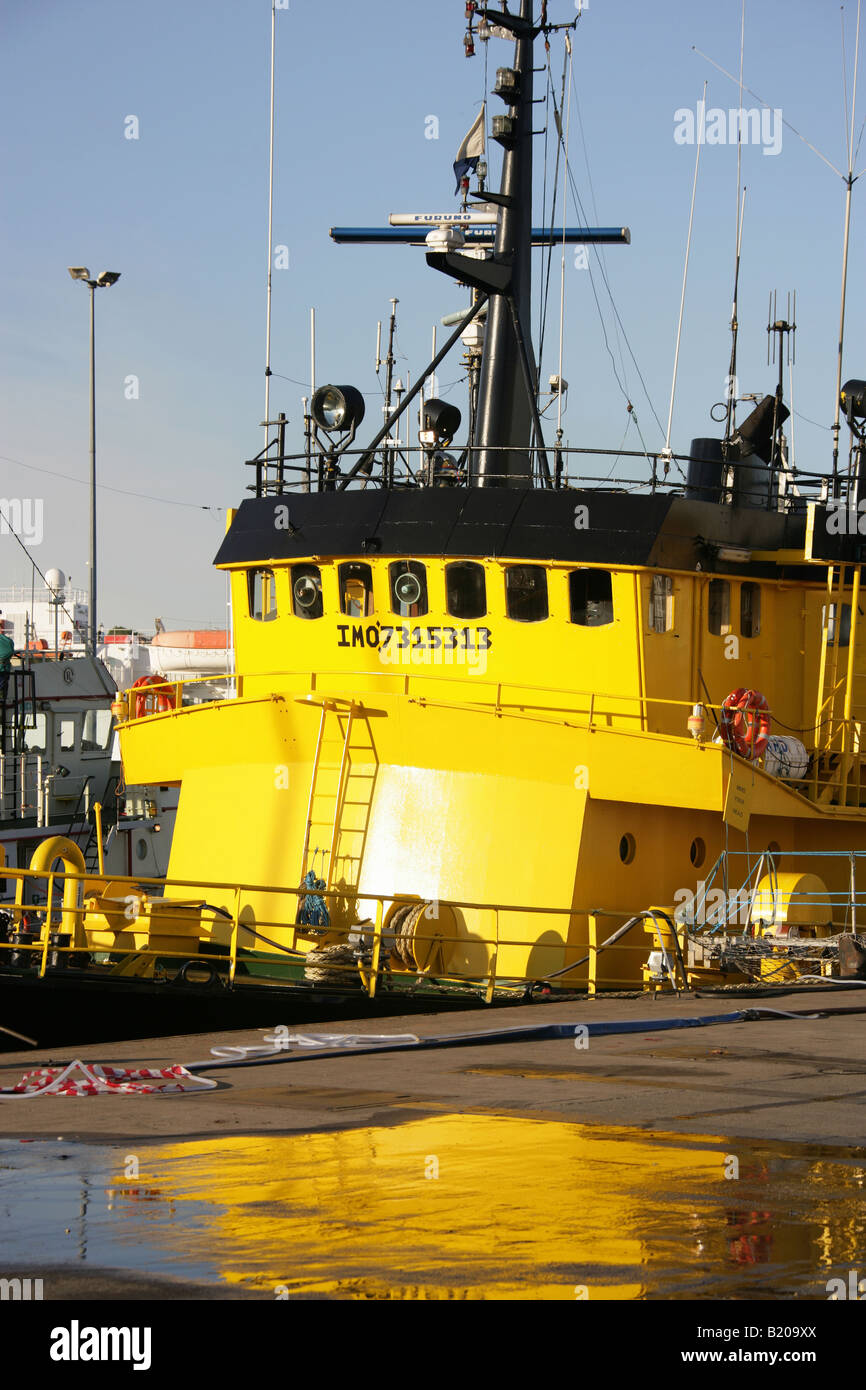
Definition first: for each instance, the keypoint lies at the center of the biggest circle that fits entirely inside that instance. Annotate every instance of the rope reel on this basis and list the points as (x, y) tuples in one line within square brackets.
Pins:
[(419, 935)]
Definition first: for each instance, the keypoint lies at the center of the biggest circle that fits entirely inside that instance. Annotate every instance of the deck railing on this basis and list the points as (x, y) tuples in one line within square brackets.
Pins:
[(62, 911), (58, 911)]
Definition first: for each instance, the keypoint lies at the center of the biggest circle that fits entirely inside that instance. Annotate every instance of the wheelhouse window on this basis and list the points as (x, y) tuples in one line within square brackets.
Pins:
[(465, 590), (661, 603), (526, 593), (68, 742), (750, 610), (98, 731), (307, 591), (356, 589), (719, 607), (408, 580), (35, 737), (844, 624), (590, 594), (262, 595)]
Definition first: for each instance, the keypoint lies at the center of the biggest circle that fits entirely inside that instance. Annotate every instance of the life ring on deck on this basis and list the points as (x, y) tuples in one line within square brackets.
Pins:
[(745, 724), (154, 697)]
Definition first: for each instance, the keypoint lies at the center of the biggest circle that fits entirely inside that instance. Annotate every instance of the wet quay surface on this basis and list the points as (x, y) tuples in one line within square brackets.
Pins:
[(712, 1162)]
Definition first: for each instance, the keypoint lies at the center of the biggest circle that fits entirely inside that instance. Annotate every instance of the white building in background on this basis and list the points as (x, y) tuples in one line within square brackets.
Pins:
[(54, 618), (50, 617)]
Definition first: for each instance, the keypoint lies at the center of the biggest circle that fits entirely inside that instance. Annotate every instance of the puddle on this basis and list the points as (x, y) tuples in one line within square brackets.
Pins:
[(457, 1206)]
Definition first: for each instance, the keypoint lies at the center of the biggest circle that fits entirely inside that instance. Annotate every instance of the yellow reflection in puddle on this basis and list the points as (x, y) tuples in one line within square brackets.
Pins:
[(479, 1206)]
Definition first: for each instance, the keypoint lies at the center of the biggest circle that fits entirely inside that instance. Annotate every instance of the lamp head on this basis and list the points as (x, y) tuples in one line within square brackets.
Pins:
[(407, 589), (339, 408), (853, 400), (79, 272), (441, 422)]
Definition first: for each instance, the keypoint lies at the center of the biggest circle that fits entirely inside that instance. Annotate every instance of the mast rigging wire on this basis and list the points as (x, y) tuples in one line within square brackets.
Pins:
[(793, 129), (582, 218), (625, 393), (599, 250), (569, 50), (561, 143), (105, 487)]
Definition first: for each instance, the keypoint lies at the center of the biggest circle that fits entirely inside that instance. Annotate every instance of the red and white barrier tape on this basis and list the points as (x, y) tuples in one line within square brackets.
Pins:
[(92, 1079)]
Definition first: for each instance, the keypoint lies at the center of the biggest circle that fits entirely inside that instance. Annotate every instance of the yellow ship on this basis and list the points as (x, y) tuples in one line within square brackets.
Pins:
[(484, 717)]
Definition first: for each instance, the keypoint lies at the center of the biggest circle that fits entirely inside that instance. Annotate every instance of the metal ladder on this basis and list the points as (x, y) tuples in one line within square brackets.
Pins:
[(841, 703), (341, 792)]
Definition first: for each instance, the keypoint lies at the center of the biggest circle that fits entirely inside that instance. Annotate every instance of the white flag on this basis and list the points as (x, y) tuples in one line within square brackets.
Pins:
[(471, 148)]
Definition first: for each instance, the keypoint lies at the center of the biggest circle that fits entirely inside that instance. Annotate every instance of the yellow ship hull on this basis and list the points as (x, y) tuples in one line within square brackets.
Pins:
[(532, 832)]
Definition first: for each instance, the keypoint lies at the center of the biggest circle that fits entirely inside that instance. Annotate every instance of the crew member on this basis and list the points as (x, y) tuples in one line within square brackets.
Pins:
[(7, 651)]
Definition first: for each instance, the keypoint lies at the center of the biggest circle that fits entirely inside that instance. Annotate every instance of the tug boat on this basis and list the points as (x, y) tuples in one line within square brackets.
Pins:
[(494, 730)]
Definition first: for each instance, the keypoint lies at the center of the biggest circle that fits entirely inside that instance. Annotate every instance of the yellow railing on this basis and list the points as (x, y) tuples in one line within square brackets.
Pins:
[(505, 695), (591, 707), (371, 969)]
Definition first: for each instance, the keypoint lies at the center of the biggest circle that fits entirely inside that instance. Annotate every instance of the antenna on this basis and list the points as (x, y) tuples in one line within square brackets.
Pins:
[(780, 332), (270, 237), (387, 454), (731, 392), (312, 353), (666, 451), (850, 180), (781, 343)]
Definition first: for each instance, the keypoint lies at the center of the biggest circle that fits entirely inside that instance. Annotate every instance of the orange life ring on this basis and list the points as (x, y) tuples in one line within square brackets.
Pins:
[(156, 696), (745, 724)]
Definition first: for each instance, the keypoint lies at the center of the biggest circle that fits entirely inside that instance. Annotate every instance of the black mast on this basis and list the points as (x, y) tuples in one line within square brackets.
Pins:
[(505, 415), (507, 409)]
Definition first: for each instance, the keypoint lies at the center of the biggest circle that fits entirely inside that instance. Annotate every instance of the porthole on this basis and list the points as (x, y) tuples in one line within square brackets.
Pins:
[(141, 848), (697, 852), (627, 849)]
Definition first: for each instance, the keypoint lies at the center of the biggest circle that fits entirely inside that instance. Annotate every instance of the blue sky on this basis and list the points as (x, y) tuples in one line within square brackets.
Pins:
[(181, 212)]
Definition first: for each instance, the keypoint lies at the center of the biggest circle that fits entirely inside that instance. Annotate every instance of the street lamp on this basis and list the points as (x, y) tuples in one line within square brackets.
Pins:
[(103, 280)]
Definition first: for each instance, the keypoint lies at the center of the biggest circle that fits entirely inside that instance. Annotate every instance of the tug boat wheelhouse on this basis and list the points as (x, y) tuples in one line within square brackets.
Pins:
[(472, 728)]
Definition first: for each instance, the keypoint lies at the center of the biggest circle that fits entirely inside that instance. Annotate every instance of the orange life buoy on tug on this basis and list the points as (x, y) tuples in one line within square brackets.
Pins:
[(745, 725), (155, 696)]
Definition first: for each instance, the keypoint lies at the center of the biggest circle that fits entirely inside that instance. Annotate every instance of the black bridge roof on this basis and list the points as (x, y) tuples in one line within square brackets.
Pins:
[(530, 523)]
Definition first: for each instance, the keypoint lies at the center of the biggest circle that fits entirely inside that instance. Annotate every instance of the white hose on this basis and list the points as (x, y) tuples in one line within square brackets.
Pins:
[(281, 1042)]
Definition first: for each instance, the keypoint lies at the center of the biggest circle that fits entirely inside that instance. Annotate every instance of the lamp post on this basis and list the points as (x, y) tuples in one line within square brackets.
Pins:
[(102, 282)]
